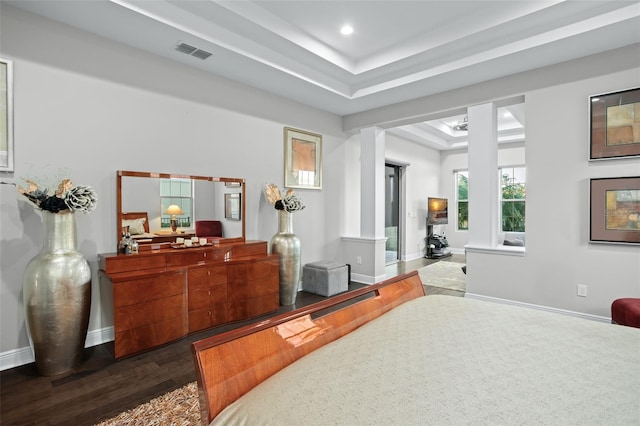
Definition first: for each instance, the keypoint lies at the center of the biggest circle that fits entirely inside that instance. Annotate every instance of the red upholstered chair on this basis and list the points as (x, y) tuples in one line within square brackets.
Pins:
[(626, 312), (209, 229)]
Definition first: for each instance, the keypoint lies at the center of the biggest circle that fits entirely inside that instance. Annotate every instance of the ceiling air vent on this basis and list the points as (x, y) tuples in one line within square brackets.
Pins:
[(193, 51), (201, 54)]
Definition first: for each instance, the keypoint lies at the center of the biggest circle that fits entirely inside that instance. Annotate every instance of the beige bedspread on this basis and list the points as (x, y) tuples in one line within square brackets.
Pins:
[(445, 360)]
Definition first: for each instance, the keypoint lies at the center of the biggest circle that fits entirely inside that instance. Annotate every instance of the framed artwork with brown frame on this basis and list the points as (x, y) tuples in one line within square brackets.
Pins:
[(232, 206), (615, 125), (302, 159), (615, 210), (6, 115)]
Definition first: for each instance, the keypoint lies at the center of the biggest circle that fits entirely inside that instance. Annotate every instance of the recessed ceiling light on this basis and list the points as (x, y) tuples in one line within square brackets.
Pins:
[(346, 30)]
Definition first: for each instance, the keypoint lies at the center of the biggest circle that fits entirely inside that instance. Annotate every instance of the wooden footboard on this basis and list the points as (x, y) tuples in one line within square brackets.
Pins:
[(232, 363)]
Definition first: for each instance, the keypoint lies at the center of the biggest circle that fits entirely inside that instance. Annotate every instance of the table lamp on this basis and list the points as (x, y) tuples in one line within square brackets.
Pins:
[(173, 210)]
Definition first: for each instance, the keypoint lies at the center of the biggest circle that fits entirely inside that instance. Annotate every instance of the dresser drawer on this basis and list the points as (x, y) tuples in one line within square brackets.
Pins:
[(199, 299), (150, 312), (199, 320), (250, 249), (132, 262), (204, 277), (143, 290), (189, 257), (252, 307), (134, 340)]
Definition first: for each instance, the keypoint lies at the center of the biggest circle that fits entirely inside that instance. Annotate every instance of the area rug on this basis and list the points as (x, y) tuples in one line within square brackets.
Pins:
[(444, 274), (177, 408)]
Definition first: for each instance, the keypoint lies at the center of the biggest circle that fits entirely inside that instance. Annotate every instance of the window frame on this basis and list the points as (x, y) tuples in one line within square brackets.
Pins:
[(165, 220), (502, 200), (465, 173)]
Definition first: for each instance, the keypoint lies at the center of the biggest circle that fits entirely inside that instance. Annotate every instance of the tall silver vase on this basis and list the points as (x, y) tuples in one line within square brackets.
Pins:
[(287, 245), (57, 297)]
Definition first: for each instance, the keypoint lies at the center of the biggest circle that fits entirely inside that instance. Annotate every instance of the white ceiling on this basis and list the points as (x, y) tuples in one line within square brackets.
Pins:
[(400, 50)]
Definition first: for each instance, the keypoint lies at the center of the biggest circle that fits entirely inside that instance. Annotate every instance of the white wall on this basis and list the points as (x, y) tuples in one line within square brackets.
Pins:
[(558, 254), (86, 107)]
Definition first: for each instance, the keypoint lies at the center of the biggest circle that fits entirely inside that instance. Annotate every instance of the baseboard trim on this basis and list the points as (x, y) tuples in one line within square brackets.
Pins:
[(590, 317), (15, 358), (366, 279), (22, 356)]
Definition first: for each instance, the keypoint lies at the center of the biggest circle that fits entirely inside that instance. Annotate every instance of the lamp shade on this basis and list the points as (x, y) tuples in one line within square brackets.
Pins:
[(173, 209)]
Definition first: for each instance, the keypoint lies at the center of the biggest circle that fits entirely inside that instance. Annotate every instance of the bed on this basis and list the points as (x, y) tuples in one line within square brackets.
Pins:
[(385, 354), (137, 224)]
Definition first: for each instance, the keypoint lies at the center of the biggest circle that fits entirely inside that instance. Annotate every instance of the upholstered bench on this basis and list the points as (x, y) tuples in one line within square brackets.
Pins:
[(626, 312), (325, 278)]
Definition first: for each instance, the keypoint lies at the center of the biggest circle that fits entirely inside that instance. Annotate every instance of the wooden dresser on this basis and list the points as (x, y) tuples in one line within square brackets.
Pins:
[(162, 295)]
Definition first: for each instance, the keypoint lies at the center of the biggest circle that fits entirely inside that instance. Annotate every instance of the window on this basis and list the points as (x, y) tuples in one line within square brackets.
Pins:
[(179, 192), (512, 198), (462, 199)]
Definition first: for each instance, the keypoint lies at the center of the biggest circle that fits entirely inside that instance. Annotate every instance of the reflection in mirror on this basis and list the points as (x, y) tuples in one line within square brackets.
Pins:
[(232, 206), (148, 203)]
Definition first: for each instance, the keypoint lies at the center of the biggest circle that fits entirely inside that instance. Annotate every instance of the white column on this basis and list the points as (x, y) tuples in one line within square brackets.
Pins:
[(366, 253), (372, 147), (483, 176)]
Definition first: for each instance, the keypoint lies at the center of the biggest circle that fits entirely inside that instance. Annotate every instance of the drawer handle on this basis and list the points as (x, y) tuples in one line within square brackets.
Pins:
[(204, 254)]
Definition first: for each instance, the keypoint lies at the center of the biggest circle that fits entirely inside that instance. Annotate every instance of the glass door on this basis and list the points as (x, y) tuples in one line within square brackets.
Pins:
[(392, 213)]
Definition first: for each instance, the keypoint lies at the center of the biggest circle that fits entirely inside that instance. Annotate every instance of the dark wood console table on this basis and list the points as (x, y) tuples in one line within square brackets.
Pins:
[(162, 295)]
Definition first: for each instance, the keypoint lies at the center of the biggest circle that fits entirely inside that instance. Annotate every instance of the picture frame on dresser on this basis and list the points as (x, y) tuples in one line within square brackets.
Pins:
[(302, 159), (232, 206), (6, 115), (614, 210), (614, 125)]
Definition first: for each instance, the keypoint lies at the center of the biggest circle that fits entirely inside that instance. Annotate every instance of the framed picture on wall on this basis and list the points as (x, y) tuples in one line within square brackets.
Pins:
[(6, 115), (615, 125), (302, 159), (232, 206), (615, 210)]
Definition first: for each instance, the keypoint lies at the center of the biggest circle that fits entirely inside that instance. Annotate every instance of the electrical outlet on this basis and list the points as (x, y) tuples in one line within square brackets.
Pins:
[(359, 260), (582, 290)]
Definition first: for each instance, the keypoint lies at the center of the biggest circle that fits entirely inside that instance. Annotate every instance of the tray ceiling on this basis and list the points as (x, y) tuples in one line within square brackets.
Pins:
[(399, 50)]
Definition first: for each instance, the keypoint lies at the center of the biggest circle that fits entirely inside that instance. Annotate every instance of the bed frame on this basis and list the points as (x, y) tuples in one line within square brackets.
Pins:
[(232, 363), (137, 215)]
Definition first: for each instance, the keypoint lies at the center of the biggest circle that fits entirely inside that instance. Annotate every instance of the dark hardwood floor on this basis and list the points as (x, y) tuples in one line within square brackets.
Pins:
[(103, 387)]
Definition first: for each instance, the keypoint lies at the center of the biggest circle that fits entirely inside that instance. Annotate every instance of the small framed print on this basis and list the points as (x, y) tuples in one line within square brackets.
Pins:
[(232, 206), (615, 125), (6, 115), (302, 159), (615, 210)]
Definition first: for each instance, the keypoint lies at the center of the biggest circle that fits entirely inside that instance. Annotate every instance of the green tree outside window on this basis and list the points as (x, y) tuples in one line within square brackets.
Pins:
[(462, 199), (513, 199)]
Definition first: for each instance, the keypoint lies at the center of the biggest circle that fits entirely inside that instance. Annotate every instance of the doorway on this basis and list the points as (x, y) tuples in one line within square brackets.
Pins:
[(392, 223)]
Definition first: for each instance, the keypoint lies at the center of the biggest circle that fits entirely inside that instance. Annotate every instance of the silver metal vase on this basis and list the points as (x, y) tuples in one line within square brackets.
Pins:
[(287, 245), (57, 297)]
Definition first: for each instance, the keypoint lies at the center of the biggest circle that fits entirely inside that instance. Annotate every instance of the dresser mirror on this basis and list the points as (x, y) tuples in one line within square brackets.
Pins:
[(161, 207)]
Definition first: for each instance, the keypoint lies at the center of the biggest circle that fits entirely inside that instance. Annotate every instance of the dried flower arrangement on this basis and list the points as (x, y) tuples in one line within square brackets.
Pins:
[(81, 198), (289, 203)]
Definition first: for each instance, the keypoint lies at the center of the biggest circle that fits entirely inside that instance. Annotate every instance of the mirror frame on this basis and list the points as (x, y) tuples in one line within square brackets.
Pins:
[(124, 173)]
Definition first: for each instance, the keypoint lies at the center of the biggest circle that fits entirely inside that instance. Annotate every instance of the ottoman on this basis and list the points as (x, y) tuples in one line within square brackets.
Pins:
[(325, 278), (626, 312)]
